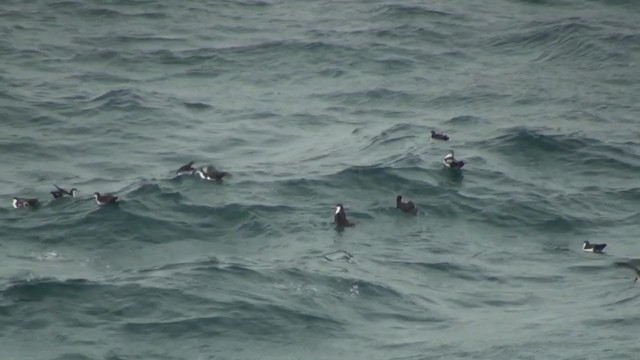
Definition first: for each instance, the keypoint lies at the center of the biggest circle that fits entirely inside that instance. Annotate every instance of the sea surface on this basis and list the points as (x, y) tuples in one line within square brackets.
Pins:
[(309, 104)]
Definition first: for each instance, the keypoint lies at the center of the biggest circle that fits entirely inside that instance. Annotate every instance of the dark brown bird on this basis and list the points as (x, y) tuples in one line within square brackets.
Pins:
[(103, 199), (439, 136), (408, 207)]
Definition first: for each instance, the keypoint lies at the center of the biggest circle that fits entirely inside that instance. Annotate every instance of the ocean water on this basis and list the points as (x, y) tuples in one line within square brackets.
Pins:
[(309, 104)]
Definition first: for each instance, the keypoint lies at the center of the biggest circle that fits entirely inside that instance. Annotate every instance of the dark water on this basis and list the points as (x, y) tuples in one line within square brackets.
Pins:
[(309, 104)]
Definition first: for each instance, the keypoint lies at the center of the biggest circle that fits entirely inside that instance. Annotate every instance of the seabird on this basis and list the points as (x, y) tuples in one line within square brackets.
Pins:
[(102, 199), (62, 192), (24, 203), (208, 173), (186, 169), (451, 162), (438, 136), (408, 207), (596, 248), (340, 218)]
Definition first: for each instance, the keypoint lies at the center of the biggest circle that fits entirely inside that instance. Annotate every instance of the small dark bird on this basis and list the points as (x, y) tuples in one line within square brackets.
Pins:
[(62, 192), (451, 162), (102, 199), (24, 203), (439, 136), (596, 248), (408, 207), (211, 174), (186, 169), (340, 218)]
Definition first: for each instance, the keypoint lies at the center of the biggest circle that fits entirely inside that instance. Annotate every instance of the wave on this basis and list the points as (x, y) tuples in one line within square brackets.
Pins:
[(126, 99), (396, 133), (563, 40), (469, 96), (467, 120), (111, 14), (252, 3), (98, 76), (628, 321), (273, 49), (524, 139), (380, 96), (100, 43), (583, 153), (27, 147), (416, 32), (379, 177), (39, 289), (466, 272), (237, 318), (97, 55), (197, 106), (541, 33), (403, 12)]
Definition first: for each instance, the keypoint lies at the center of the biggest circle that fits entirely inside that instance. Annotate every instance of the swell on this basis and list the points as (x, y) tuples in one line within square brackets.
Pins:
[(125, 99), (560, 41), (232, 56), (522, 144), (266, 321), (397, 11), (534, 210), (87, 304), (380, 96), (452, 270), (415, 32), (27, 148), (112, 14), (396, 133), (263, 279), (383, 179), (306, 286), (541, 34)]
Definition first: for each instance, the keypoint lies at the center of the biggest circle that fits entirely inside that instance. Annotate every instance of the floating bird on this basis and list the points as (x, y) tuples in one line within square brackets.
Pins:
[(62, 192), (439, 136), (408, 207), (211, 174), (102, 199), (24, 203), (596, 248), (450, 162), (340, 218), (186, 169)]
